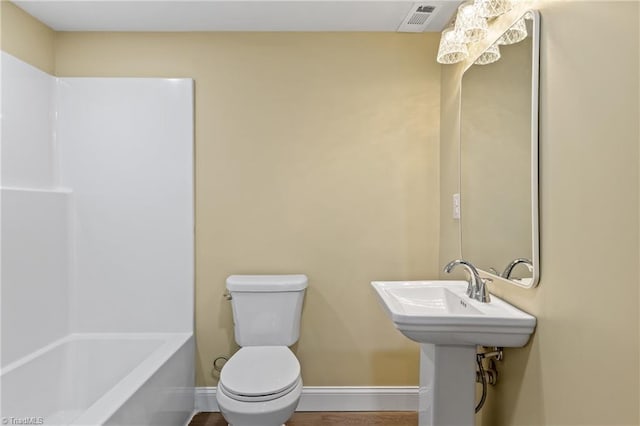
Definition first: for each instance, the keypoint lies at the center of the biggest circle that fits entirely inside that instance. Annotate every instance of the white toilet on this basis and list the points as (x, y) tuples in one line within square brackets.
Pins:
[(261, 384)]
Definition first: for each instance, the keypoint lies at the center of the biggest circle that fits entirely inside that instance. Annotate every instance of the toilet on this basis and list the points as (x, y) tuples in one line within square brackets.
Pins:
[(261, 384)]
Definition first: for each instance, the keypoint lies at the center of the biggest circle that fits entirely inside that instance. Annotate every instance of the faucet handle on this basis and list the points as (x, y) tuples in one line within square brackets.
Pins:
[(483, 291)]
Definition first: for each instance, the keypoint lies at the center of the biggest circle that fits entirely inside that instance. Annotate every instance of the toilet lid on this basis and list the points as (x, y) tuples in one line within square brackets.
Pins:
[(256, 371)]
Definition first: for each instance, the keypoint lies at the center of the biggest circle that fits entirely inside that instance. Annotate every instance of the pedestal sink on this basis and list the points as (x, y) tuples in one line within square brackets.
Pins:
[(449, 325)]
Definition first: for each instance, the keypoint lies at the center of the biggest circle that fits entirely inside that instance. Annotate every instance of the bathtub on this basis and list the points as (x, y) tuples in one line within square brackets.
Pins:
[(102, 379)]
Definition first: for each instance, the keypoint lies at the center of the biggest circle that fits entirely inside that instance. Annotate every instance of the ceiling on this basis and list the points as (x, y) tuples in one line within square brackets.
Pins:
[(235, 15)]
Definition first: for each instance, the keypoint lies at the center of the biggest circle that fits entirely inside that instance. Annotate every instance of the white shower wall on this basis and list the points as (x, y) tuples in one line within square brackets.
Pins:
[(28, 159), (35, 229), (126, 150), (35, 256), (97, 206)]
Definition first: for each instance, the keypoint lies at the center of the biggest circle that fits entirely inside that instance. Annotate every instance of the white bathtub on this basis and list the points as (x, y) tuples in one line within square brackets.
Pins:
[(102, 379)]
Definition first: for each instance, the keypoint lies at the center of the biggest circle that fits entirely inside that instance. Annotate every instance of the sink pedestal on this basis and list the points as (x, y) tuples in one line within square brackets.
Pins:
[(447, 385)]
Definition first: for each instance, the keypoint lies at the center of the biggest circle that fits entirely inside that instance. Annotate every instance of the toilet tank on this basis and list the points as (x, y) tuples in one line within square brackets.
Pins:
[(266, 308)]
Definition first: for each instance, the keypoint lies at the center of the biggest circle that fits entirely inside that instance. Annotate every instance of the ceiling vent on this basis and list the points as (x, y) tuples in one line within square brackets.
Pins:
[(417, 19)]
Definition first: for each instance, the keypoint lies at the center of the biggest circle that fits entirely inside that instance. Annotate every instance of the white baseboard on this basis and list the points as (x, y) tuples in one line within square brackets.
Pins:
[(339, 398)]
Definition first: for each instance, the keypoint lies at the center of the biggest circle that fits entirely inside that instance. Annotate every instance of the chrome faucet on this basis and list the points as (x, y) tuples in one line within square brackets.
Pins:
[(507, 271), (477, 288)]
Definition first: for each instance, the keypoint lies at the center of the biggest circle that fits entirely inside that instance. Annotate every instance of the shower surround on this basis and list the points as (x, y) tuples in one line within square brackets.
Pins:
[(97, 249)]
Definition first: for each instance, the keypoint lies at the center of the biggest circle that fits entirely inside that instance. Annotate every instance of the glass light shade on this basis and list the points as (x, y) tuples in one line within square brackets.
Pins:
[(452, 49), (493, 8), (515, 34), (469, 24), (489, 56)]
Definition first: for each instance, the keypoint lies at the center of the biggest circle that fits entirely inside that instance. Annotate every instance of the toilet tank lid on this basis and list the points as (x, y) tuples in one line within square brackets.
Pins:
[(258, 283)]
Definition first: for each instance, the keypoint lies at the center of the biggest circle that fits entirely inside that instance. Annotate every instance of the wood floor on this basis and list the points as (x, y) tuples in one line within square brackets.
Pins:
[(386, 418)]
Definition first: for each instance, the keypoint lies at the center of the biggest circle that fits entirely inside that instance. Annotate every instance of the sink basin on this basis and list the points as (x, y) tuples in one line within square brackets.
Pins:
[(439, 312)]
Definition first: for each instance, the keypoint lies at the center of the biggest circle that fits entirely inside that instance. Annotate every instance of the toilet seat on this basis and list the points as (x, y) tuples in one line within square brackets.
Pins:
[(260, 373), (259, 398)]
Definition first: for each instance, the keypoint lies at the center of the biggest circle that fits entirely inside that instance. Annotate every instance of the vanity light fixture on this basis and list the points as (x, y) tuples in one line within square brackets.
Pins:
[(493, 8), (489, 56), (452, 50), (515, 34), (470, 26)]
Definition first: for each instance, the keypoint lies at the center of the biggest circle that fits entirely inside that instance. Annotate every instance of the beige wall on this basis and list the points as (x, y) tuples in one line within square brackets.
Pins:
[(25, 37), (315, 153), (581, 367)]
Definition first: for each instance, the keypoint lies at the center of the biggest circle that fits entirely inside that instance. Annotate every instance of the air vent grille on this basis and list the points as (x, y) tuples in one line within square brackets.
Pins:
[(417, 19)]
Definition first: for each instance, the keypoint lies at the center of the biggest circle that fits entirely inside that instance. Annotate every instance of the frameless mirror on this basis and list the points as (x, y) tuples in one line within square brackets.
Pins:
[(499, 158)]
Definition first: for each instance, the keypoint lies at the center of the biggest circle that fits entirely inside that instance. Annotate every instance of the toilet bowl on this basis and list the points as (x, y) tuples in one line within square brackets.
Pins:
[(259, 386)]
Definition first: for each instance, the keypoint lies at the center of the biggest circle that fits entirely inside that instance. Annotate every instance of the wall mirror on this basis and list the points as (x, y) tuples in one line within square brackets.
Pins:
[(499, 157)]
